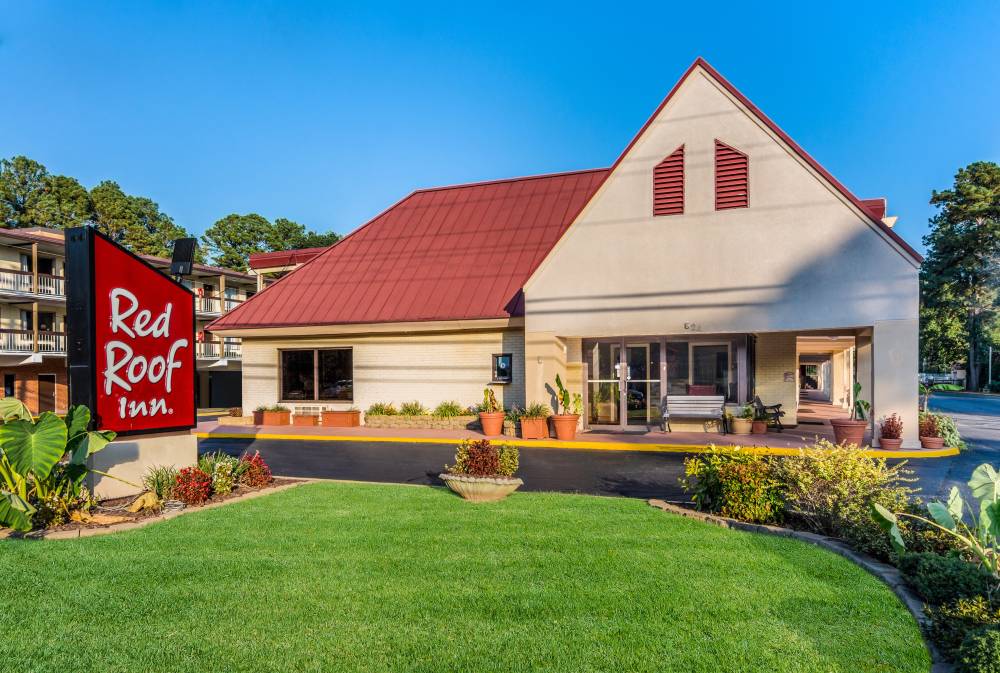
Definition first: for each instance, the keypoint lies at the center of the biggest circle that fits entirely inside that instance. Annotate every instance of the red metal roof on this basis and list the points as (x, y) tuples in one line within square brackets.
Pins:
[(876, 207), (451, 253), (268, 260)]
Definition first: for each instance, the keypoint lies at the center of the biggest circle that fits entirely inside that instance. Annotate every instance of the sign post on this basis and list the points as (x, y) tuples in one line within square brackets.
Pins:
[(131, 357)]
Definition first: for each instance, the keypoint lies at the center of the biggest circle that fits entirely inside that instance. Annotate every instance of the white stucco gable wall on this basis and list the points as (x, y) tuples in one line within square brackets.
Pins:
[(800, 257)]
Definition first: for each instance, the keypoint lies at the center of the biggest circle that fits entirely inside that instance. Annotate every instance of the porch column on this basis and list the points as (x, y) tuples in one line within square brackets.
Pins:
[(260, 281), (863, 365), (544, 357), (34, 270), (34, 321), (222, 292), (895, 359)]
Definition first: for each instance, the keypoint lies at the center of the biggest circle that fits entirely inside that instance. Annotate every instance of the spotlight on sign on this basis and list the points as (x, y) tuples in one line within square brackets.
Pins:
[(183, 258)]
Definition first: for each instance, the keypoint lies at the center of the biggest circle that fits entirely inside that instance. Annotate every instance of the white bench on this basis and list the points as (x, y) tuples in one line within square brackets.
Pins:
[(694, 406)]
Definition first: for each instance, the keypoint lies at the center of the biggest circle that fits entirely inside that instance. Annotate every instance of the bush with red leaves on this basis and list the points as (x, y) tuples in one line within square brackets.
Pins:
[(193, 486), (253, 471), (482, 458)]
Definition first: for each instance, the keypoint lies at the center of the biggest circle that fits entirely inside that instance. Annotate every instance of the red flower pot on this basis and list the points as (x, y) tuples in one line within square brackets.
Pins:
[(932, 442), (341, 419), (492, 423), (848, 431), (565, 425), (759, 428), (534, 428)]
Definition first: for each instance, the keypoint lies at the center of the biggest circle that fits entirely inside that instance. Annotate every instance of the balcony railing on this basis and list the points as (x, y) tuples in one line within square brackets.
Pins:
[(216, 304), (23, 281), (22, 341), (231, 348)]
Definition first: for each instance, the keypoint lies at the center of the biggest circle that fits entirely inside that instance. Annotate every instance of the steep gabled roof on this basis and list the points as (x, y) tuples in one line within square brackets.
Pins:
[(450, 253), (270, 260)]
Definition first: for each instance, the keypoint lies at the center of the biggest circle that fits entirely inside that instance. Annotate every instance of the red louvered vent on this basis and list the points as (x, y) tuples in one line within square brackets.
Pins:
[(668, 185), (732, 177)]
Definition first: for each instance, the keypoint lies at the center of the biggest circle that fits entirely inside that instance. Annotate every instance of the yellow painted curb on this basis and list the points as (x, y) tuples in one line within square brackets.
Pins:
[(584, 445)]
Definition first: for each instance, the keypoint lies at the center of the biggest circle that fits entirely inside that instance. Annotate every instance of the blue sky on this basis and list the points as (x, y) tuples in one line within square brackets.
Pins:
[(328, 113)]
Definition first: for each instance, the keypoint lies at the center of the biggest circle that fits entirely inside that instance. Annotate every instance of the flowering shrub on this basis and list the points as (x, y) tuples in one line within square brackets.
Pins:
[(223, 478), (892, 427), (943, 426), (193, 486), (735, 484), (482, 458), (253, 471), (929, 425)]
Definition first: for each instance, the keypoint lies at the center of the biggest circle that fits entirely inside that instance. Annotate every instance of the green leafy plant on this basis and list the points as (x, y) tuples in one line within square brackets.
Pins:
[(160, 480), (747, 412), (31, 449), (514, 414), (861, 407), (979, 536), (735, 484), (412, 409), (943, 426), (277, 408), (381, 409), (980, 651), (490, 405), (570, 404), (536, 410), (222, 468), (941, 579), (952, 622), (483, 458), (449, 409)]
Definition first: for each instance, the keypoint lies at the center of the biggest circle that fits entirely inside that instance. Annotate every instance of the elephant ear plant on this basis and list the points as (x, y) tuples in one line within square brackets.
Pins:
[(980, 535), (31, 452)]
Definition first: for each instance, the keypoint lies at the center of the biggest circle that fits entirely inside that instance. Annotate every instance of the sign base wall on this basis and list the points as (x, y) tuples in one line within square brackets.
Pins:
[(129, 457)]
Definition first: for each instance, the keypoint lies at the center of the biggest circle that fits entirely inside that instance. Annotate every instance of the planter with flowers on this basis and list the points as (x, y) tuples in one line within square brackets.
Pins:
[(483, 471), (491, 414), (852, 430), (571, 406), (535, 421), (276, 415), (891, 432), (743, 424), (930, 432)]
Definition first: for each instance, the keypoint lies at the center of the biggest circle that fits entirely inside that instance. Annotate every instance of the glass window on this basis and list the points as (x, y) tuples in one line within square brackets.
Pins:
[(711, 368), (503, 368), (298, 375), (677, 367), (336, 374)]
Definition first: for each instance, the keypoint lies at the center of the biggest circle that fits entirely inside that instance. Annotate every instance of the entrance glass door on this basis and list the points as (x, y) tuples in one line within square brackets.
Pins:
[(642, 383), (604, 384)]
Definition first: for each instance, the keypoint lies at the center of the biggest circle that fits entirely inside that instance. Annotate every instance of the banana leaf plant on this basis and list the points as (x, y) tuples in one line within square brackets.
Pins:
[(42, 458), (979, 534)]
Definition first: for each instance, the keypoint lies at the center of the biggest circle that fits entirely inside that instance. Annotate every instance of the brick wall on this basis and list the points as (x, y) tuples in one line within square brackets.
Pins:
[(429, 368), (776, 357), (26, 384)]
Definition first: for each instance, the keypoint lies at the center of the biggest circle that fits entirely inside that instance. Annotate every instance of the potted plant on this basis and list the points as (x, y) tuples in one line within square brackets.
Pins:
[(236, 417), (852, 430), (759, 425), (483, 471), (743, 424), (491, 414), (276, 415), (305, 419), (535, 421), (348, 418), (258, 414), (572, 407), (891, 432), (930, 432)]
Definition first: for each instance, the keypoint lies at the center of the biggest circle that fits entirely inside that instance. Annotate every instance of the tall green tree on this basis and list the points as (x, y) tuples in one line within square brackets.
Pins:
[(235, 237), (22, 183), (959, 278), (133, 221), (64, 202)]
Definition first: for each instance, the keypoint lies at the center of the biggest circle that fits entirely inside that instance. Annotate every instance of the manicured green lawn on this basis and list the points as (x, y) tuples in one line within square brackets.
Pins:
[(343, 577)]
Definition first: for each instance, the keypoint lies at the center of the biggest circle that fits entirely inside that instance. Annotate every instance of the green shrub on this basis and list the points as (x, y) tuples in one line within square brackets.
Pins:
[(381, 409), (536, 410), (412, 409), (980, 652), (952, 622), (160, 480), (514, 414), (831, 490), (941, 425), (449, 409), (735, 484), (943, 579), (945, 387), (482, 458), (508, 459), (222, 468)]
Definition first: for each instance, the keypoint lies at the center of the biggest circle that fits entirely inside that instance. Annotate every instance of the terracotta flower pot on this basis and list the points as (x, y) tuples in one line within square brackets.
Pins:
[(848, 431), (890, 444), (932, 442), (565, 425), (276, 418), (742, 426), (341, 419), (305, 419), (759, 428), (258, 418), (481, 489), (534, 428), (492, 423)]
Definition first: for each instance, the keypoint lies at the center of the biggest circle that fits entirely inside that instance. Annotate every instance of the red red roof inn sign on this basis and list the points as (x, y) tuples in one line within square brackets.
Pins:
[(131, 338)]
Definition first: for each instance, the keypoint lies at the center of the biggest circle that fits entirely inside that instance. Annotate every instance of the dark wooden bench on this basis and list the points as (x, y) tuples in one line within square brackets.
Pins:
[(694, 406)]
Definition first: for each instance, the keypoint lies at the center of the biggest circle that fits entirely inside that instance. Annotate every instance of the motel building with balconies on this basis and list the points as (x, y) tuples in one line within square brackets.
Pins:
[(33, 322)]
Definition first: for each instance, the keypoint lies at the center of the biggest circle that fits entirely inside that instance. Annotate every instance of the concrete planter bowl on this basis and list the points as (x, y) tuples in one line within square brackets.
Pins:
[(848, 431), (742, 426), (481, 489)]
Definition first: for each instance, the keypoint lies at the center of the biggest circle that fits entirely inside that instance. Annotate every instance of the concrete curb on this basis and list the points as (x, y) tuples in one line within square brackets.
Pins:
[(135, 525), (883, 571)]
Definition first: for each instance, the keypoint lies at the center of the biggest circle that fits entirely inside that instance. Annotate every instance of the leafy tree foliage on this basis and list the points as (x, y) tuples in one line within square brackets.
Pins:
[(133, 221), (22, 183), (235, 237), (959, 279)]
